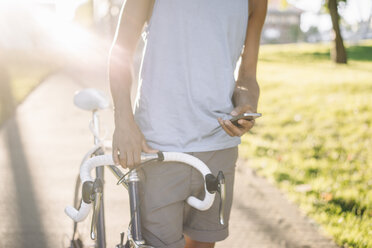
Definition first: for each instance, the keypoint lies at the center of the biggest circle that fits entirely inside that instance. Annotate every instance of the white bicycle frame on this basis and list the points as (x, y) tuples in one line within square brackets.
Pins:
[(92, 190)]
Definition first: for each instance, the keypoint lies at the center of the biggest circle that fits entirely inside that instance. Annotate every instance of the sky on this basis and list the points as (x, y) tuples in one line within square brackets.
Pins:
[(354, 12)]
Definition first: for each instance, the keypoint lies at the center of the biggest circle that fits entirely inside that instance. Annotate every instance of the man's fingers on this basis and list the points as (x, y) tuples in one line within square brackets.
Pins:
[(246, 124), (137, 157), (130, 160), (241, 109), (147, 149), (115, 155), (123, 159), (225, 128), (233, 129), (236, 111)]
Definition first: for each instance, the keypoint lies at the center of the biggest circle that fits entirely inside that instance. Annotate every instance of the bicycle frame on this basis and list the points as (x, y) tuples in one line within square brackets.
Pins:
[(134, 234)]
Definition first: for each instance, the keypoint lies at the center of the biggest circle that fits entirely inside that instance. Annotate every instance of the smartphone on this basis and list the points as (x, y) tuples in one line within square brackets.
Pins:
[(244, 116)]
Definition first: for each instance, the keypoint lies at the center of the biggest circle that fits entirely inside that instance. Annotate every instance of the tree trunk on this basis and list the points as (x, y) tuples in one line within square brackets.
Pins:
[(338, 52)]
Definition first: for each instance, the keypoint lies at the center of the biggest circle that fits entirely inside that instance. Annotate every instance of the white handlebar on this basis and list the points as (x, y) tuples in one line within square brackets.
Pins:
[(203, 169), (90, 164)]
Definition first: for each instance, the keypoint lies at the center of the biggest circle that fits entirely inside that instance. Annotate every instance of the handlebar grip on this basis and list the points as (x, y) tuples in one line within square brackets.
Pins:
[(78, 215), (92, 163), (85, 170)]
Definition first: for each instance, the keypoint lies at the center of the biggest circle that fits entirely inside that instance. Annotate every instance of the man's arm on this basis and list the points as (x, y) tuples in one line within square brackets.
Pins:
[(246, 93), (128, 141)]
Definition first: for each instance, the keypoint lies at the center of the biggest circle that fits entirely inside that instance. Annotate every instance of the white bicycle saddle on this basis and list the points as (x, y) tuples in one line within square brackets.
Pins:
[(91, 99)]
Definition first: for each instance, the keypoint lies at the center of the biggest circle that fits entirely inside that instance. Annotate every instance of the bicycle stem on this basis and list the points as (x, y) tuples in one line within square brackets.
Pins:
[(133, 181)]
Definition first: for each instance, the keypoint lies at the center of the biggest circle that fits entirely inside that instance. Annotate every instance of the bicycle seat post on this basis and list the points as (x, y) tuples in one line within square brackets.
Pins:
[(95, 119), (101, 233)]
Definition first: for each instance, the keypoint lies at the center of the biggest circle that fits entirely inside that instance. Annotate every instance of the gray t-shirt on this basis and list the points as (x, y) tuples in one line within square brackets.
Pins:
[(187, 73)]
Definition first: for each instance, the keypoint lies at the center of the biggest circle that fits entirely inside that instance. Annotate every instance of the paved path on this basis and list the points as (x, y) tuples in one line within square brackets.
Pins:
[(40, 150)]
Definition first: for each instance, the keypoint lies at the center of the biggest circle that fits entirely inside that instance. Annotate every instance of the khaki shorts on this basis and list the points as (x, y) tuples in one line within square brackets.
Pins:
[(164, 188)]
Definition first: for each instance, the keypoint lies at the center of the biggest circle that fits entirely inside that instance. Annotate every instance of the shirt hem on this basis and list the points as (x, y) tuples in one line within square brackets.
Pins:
[(206, 148)]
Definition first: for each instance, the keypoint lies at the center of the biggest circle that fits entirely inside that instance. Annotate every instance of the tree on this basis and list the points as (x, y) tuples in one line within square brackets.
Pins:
[(338, 52)]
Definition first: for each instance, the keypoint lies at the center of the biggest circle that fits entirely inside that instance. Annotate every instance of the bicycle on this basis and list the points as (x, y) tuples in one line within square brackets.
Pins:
[(92, 190)]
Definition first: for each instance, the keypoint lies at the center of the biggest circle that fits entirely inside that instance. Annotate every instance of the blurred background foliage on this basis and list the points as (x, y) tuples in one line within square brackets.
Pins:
[(314, 139)]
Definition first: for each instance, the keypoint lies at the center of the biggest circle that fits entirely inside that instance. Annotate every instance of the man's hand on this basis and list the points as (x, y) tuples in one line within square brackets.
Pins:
[(244, 125), (245, 101), (127, 144)]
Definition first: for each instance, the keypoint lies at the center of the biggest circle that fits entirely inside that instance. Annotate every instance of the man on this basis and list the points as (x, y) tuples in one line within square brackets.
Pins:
[(187, 96)]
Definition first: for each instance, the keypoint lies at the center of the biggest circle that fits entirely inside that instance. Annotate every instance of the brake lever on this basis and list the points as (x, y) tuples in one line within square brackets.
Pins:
[(217, 184), (96, 197), (221, 189)]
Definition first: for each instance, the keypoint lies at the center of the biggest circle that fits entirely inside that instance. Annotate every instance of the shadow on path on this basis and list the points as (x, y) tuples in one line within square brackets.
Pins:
[(275, 231), (28, 230)]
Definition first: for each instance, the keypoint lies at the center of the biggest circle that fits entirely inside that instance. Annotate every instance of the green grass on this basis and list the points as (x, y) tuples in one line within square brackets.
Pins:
[(316, 131)]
